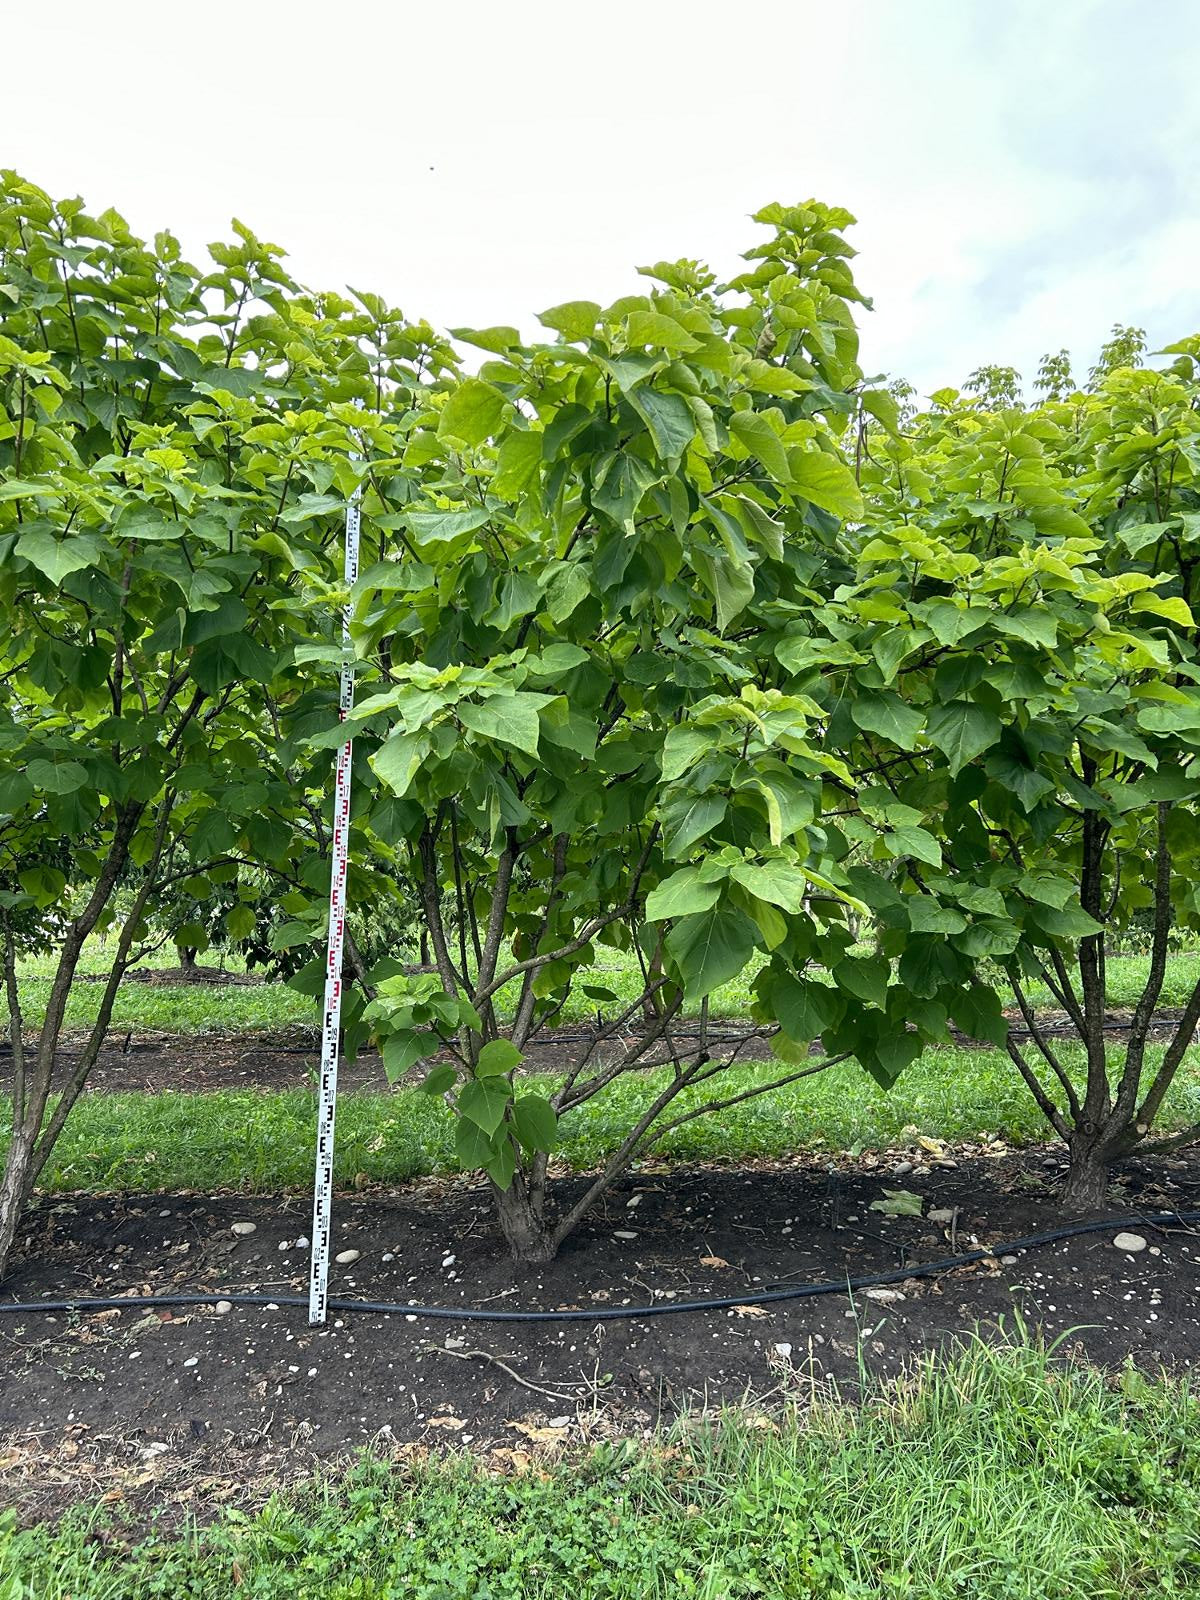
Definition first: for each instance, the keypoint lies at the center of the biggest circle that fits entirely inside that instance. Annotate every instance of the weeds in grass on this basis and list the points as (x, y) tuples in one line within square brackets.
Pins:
[(998, 1474)]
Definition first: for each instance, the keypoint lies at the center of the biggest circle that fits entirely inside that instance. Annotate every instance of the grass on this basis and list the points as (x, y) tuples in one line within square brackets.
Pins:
[(260, 1140), (998, 1475), (208, 1008)]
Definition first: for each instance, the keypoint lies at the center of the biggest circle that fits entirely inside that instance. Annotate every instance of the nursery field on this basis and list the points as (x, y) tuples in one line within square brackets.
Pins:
[(826, 1182)]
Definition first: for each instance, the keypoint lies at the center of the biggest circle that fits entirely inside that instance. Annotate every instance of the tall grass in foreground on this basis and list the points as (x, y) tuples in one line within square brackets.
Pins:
[(997, 1475)]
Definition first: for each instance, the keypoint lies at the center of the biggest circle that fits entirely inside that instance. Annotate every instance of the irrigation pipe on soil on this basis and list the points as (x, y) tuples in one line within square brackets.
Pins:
[(804, 1291)]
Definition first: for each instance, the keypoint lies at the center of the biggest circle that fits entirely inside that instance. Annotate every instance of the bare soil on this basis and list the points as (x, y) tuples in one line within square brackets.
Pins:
[(157, 1063), (161, 1402)]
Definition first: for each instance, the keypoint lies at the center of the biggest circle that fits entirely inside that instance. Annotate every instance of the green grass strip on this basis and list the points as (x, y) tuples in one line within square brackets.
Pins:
[(994, 1476), (263, 1140)]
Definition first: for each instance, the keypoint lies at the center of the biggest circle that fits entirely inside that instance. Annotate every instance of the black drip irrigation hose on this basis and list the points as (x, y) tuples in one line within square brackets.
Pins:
[(804, 1291)]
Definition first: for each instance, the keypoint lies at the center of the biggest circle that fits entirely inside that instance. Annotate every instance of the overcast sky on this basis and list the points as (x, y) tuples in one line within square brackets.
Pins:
[(1025, 172)]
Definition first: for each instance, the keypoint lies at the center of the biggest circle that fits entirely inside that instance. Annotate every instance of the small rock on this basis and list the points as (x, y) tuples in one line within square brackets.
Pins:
[(387, 1255), (345, 1257), (623, 1233), (885, 1296), (1131, 1243), (156, 1449), (243, 1228), (449, 1261), (285, 1245), (634, 1200), (783, 1349), (302, 1243), (559, 1422), (192, 1361), (1008, 1261), (902, 1167), (944, 1214)]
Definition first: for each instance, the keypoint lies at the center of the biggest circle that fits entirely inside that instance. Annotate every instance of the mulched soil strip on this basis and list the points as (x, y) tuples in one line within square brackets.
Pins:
[(138, 1393), (155, 1063)]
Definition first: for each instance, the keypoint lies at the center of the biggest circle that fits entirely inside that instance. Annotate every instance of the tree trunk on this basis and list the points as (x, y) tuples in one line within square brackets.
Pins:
[(1086, 1188), (187, 960), (522, 1219), (14, 1190)]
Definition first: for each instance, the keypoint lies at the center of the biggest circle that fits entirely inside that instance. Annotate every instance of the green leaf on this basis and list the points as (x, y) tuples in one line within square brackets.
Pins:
[(517, 464), (682, 894), (44, 884), (401, 1051), (865, 977), (240, 922), (503, 1165), (58, 558), (915, 842), (729, 581), (753, 430), (776, 882), (925, 915), (882, 712), (1172, 607), (398, 760), (510, 718), (899, 1203), (56, 777), (669, 419), (1069, 922), (962, 730), (472, 1145), (484, 1101), (710, 949), (574, 319), (691, 820), (661, 332), (682, 748), (473, 412), (535, 1123), (976, 1011), (498, 1055), (440, 1079), (803, 1009), (434, 527), (826, 482)]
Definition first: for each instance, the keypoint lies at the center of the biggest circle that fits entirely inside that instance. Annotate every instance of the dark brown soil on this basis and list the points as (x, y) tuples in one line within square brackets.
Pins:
[(154, 1393), (158, 1063), (171, 1063), (172, 977)]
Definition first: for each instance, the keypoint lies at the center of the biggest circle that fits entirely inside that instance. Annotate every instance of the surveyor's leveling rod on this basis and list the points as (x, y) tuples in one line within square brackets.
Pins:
[(318, 1285)]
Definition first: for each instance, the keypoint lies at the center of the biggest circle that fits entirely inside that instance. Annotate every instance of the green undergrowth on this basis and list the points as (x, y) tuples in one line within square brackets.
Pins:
[(207, 1008), (997, 1474), (262, 1140)]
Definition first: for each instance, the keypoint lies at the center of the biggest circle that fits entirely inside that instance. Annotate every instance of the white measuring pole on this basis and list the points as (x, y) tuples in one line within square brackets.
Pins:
[(318, 1283)]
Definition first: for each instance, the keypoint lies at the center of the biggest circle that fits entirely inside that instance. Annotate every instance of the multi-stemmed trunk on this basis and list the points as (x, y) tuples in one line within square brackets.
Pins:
[(35, 1128), (1110, 1118)]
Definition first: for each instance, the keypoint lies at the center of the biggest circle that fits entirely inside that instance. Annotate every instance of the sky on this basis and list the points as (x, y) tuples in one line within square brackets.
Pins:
[(1025, 172)]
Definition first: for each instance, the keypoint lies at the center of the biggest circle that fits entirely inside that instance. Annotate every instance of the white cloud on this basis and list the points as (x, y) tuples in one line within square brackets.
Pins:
[(1024, 172)]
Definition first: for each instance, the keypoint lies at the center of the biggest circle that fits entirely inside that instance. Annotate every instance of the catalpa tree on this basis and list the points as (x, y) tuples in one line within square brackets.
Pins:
[(175, 450), (589, 661), (1021, 628)]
